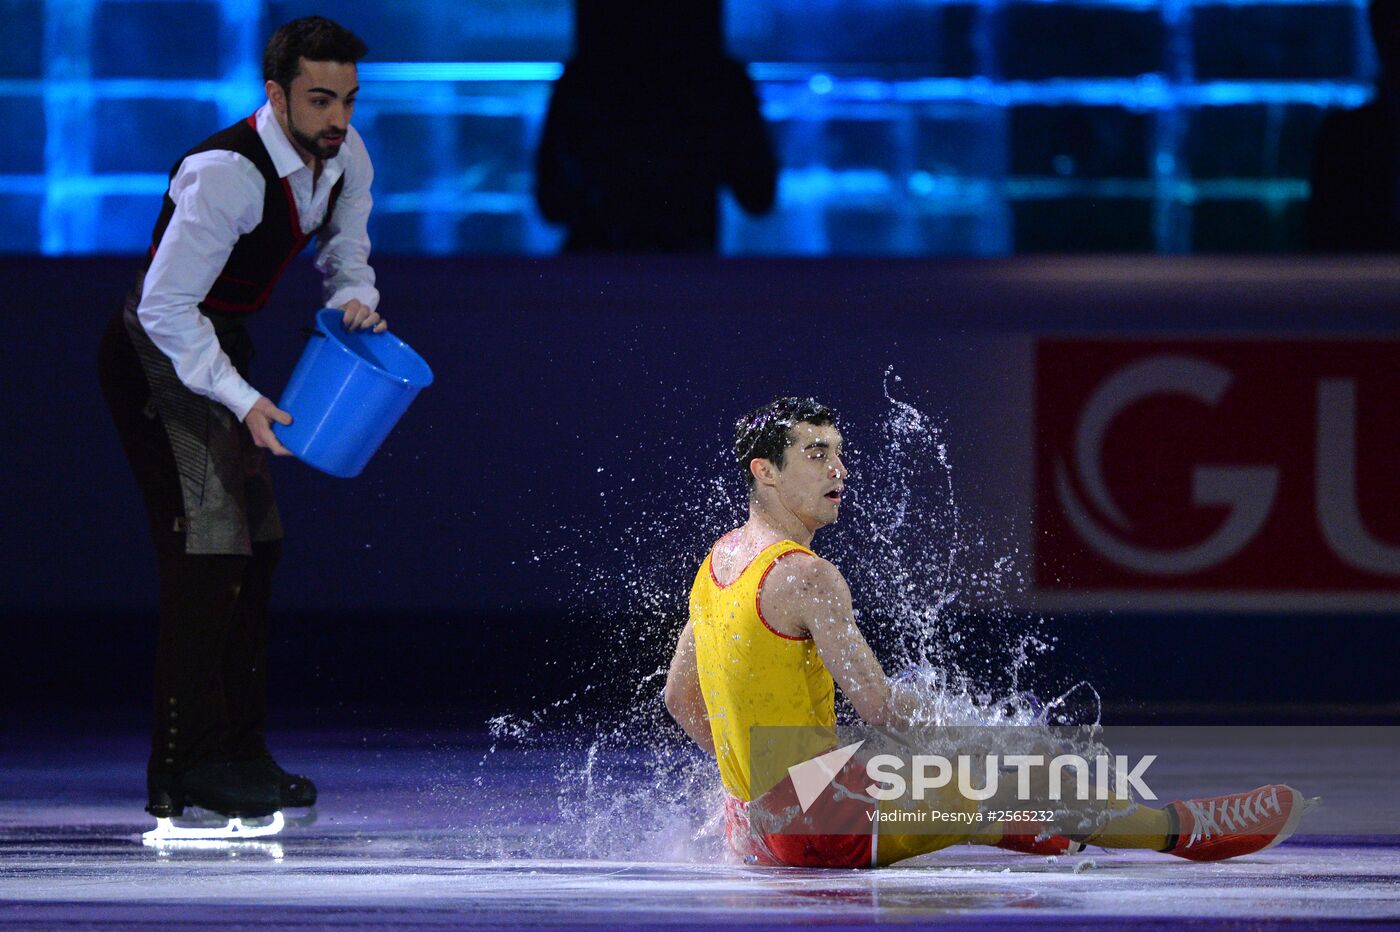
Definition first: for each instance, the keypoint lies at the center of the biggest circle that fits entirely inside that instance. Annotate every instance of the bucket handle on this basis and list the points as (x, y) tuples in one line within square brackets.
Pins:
[(310, 332)]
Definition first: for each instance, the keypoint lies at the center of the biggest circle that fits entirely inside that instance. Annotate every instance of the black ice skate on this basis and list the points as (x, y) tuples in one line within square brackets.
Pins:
[(238, 801), (294, 790)]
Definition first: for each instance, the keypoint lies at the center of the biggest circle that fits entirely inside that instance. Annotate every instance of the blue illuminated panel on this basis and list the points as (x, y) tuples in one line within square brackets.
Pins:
[(904, 127)]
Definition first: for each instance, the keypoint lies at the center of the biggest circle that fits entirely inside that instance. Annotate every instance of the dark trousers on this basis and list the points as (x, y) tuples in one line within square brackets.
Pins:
[(211, 658)]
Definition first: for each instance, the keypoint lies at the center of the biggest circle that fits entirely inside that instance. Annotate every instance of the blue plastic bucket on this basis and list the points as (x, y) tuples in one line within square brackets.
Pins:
[(346, 393)]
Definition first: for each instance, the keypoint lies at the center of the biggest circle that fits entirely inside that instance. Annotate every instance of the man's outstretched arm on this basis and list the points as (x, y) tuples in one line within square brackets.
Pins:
[(684, 699), (811, 597)]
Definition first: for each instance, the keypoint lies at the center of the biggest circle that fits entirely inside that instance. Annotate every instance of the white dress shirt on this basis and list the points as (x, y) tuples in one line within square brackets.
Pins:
[(218, 197)]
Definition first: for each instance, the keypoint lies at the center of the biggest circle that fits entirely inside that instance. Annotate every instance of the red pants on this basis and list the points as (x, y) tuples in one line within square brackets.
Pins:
[(777, 850), (788, 836)]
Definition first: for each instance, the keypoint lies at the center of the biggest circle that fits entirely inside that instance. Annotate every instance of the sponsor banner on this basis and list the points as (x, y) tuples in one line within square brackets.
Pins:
[(1079, 781), (1217, 473)]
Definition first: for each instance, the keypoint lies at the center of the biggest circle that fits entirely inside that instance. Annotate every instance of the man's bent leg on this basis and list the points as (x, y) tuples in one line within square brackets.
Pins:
[(945, 815), (245, 678), (197, 598), (245, 658), (1133, 825), (197, 593)]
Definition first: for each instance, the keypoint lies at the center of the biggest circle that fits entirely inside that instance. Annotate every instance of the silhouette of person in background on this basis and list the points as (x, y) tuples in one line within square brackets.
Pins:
[(1355, 200), (649, 119)]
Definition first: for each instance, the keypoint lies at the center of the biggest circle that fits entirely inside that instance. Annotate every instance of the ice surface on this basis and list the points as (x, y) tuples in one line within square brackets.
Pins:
[(407, 829)]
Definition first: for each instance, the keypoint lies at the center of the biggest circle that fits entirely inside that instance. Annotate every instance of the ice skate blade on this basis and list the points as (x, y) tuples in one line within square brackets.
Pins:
[(167, 832), (301, 820)]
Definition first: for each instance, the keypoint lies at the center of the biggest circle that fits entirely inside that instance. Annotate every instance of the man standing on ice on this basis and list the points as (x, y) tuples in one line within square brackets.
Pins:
[(173, 366), (766, 649)]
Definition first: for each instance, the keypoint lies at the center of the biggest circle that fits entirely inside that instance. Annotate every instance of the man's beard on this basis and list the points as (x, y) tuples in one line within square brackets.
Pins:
[(312, 144)]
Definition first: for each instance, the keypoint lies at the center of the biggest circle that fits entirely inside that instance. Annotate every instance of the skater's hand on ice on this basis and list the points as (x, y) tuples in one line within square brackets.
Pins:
[(259, 421), (359, 317)]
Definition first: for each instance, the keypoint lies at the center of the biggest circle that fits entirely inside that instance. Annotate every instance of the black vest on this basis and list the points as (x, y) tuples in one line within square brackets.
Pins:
[(260, 255)]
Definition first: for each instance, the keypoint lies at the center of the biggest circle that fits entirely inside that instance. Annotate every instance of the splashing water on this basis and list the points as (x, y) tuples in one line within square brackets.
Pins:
[(933, 597), (900, 540)]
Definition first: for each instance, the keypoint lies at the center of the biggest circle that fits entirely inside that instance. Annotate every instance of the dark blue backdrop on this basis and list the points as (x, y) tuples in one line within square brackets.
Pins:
[(560, 383)]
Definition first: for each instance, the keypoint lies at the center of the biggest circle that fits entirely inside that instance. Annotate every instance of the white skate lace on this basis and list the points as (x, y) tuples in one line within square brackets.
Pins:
[(1211, 817)]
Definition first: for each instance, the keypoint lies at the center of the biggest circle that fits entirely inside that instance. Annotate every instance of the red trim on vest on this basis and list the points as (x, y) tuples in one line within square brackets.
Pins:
[(252, 120), (715, 579), (267, 292), (236, 281), (758, 597), (261, 301), (227, 307), (300, 240)]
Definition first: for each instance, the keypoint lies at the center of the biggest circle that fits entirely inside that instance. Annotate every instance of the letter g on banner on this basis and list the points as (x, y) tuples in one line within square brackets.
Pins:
[(1249, 491)]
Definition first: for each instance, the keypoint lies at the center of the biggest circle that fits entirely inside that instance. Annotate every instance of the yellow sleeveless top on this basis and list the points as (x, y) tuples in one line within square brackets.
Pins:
[(750, 674)]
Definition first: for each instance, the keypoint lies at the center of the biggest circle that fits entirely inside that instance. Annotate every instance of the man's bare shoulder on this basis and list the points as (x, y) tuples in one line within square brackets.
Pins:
[(801, 578)]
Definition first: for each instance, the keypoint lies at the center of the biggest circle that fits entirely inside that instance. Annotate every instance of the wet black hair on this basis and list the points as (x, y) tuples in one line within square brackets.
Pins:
[(763, 433), (314, 38)]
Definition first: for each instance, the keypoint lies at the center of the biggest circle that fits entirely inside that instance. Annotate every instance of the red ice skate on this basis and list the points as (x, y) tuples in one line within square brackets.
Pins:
[(1223, 827)]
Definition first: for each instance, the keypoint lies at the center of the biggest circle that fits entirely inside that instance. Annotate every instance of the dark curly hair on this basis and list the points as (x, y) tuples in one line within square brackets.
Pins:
[(763, 432), (314, 38)]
